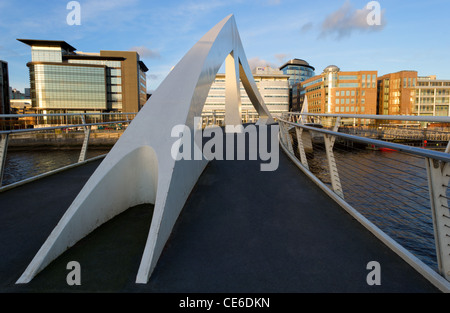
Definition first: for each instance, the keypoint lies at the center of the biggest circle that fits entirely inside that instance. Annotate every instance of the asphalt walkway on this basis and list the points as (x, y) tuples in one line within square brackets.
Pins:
[(241, 230)]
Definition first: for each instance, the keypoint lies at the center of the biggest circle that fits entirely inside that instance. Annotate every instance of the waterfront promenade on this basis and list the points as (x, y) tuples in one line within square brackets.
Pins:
[(241, 230)]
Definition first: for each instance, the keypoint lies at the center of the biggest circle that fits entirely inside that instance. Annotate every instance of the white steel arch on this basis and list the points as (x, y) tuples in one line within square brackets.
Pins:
[(139, 168)]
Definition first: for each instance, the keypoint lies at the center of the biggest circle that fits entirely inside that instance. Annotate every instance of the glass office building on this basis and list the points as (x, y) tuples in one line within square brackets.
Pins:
[(298, 71), (72, 87), (64, 81), (112, 78)]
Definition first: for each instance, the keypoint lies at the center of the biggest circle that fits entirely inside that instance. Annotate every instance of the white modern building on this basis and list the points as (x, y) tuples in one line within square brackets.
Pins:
[(272, 84), (432, 97)]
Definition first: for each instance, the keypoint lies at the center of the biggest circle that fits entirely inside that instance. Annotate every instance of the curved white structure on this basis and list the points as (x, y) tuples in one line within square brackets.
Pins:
[(140, 169)]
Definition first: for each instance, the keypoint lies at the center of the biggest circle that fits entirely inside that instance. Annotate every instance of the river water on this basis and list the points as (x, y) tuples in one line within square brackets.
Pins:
[(389, 188), (25, 164)]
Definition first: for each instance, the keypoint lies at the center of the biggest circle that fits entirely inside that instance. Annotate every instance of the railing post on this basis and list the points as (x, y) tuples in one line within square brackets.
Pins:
[(84, 148), (301, 148), (3, 147), (438, 179), (334, 174), (283, 136), (285, 129)]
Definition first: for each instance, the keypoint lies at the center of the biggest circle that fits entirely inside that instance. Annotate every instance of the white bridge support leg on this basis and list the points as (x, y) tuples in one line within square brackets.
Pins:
[(232, 94), (438, 179), (141, 167)]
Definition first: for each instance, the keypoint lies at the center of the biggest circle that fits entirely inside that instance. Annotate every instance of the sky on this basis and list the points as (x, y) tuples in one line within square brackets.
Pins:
[(402, 35)]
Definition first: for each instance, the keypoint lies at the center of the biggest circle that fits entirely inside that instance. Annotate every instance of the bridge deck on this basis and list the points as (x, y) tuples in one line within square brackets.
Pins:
[(241, 230)]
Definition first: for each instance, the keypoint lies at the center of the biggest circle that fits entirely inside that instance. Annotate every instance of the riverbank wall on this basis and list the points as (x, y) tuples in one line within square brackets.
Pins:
[(62, 140)]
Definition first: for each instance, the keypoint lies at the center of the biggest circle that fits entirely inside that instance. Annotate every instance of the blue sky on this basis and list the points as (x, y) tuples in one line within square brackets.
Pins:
[(413, 35)]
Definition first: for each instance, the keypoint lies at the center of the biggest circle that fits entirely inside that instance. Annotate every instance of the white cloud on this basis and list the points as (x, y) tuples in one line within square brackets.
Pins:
[(282, 57), (145, 52), (306, 27), (346, 19), (256, 61)]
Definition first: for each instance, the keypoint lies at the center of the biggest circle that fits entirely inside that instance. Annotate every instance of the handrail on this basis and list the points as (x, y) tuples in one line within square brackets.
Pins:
[(431, 119), (28, 130), (438, 155), (5, 135), (63, 114)]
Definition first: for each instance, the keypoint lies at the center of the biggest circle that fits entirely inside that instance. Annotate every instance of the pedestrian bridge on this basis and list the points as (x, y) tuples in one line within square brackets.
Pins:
[(237, 210), (241, 230)]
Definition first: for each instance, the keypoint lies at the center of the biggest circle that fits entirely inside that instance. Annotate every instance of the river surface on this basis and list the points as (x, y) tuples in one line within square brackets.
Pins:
[(389, 188), (25, 164)]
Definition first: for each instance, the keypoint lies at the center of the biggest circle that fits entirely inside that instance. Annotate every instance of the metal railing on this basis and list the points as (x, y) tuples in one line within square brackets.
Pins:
[(399, 191), (56, 125)]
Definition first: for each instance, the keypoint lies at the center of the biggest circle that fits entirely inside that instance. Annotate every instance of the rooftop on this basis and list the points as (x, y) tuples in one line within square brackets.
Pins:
[(78, 55), (331, 68), (48, 43), (297, 62)]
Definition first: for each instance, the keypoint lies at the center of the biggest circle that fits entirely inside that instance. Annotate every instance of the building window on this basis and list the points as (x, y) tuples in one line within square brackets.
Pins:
[(348, 77), (69, 87), (348, 85), (46, 54)]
